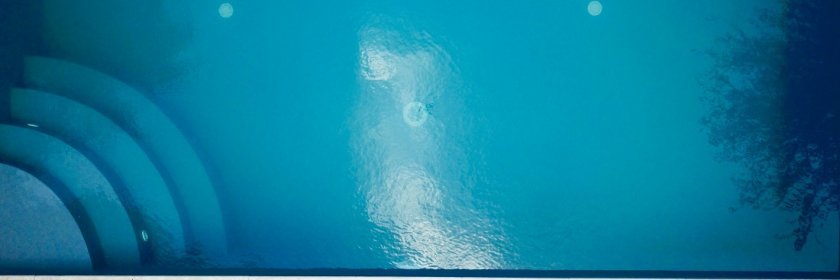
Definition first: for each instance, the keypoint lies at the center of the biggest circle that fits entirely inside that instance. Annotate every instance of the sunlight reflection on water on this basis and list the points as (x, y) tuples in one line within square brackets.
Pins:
[(411, 170)]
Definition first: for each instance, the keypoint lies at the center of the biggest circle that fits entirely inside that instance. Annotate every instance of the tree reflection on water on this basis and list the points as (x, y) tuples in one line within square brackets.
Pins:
[(774, 94)]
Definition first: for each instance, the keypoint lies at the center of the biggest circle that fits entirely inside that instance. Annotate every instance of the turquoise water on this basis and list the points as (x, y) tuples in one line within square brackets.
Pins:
[(398, 134)]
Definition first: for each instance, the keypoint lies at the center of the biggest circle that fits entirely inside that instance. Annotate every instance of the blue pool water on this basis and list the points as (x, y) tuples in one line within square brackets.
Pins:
[(539, 134)]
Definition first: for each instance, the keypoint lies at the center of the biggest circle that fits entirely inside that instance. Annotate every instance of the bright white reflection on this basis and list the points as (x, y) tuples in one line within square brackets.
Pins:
[(226, 10), (594, 8), (377, 65), (407, 128)]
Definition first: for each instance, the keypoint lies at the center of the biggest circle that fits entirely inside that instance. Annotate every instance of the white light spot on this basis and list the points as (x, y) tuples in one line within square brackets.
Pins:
[(594, 8), (32, 125), (225, 10), (415, 114), (144, 235)]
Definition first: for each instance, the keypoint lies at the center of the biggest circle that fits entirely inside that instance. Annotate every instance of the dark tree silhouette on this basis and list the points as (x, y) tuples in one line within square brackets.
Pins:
[(774, 94)]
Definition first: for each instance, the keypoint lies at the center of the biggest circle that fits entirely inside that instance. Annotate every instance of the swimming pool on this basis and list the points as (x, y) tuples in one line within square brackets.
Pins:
[(145, 136)]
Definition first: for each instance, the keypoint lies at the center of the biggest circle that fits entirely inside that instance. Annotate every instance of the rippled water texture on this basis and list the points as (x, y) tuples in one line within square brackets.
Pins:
[(255, 136), (415, 175)]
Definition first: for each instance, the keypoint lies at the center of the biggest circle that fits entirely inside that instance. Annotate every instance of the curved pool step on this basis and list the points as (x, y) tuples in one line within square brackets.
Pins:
[(153, 130), (36, 220), (90, 131), (43, 154)]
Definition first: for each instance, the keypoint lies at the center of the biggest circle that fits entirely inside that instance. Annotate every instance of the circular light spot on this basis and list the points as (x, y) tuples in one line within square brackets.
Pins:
[(415, 114), (594, 8), (226, 10)]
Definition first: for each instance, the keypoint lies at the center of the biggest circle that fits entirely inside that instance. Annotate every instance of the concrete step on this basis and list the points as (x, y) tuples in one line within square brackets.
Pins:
[(43, 154), (90, 132), (35, 222), (153, 130)]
